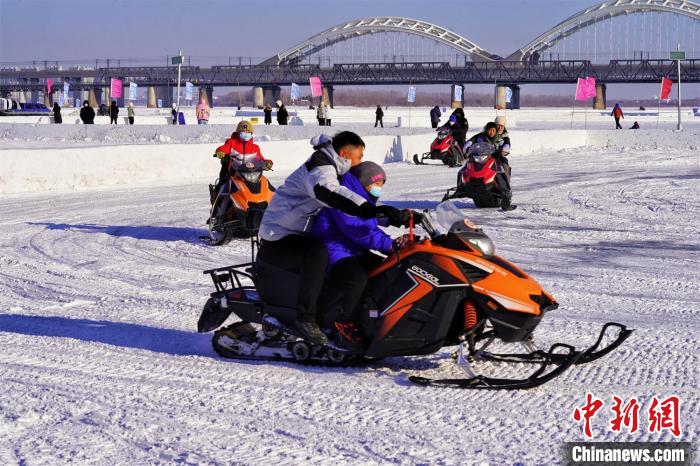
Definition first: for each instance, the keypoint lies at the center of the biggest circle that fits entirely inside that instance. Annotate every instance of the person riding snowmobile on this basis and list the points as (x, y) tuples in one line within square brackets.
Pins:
[(242, 144), (286, 243), (459, 126), (505, 148), (350, 242), (490, 135)]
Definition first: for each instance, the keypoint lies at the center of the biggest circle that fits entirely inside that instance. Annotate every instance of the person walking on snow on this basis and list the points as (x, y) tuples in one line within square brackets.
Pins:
[(87, 114), (57, 113), (617, 114), (113, 112), (130, 113), (268, 114), (435, 115), (202, 113), (379, 115)]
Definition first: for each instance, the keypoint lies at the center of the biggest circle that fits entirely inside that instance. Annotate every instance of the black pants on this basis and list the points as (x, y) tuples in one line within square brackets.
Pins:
[(305, 255), (379, 121), (113, 120), (434, 124), (617, 124), (345, 285), (223, 174), (321, 121), (131, 120)]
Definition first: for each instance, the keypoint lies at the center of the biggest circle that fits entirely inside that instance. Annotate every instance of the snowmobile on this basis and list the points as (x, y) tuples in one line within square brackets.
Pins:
[(444, 148), (482, 179), (238, 207), (445, 290)]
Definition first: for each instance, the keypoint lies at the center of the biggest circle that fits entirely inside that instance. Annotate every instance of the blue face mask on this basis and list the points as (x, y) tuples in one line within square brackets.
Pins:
[(245, 136), (375, 191)]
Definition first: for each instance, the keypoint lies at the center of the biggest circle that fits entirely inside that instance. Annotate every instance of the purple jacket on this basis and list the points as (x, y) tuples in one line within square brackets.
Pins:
[(346, 236)]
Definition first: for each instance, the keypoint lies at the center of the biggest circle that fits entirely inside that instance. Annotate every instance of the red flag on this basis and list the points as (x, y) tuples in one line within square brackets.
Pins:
[(49, 85), (666, 85)]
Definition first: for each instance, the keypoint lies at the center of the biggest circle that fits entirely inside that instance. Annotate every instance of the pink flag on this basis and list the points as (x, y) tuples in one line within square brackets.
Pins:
[(590, 82), (49, 85), (316, 88), (666, 86), (585, 88), (581, 89), (115, 88)]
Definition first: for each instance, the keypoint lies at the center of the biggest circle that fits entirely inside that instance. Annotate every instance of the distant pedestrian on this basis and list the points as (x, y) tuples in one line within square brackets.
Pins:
[(87, 114), (320, 115), (617, 114), (113, 112), (327, 113), (379, 116), (174, 114), (635, 125), (130, 112), (282, 115), (268, 114), (435, 115), (102, 111), (57, 113), (202, 112)]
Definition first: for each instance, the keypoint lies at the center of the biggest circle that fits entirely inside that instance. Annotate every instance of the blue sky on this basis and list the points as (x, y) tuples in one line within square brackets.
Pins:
[(80, 29)]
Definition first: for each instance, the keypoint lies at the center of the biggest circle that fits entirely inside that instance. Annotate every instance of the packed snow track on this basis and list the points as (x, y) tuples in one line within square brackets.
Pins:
[(100, 362)]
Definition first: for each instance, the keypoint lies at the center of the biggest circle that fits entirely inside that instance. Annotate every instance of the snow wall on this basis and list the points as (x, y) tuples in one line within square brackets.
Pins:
[(50, 169)]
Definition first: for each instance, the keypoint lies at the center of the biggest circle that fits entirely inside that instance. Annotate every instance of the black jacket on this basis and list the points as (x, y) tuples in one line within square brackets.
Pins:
[(435, 114), (57, 114), (268, 115), (282, 115), (87, 115), (379, 113)]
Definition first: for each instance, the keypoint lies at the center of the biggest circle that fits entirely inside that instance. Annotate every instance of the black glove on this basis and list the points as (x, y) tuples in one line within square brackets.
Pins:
[(396, 217)]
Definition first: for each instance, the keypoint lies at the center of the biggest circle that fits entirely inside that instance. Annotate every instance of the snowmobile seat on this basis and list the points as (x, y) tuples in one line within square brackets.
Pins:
[(277, 286)]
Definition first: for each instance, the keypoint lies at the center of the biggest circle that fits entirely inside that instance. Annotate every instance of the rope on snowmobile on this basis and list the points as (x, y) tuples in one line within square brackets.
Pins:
[(537, 378)]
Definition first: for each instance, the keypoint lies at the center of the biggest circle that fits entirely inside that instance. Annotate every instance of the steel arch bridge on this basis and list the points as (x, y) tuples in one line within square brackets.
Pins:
[(571, 25), (604, 10), (361, 27)]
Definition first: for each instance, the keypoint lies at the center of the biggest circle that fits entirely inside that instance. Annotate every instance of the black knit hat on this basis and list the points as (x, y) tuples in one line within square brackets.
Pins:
[(368, 173)]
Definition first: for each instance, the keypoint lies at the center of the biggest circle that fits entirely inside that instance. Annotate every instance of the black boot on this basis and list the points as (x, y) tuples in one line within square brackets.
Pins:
[(310, 332)]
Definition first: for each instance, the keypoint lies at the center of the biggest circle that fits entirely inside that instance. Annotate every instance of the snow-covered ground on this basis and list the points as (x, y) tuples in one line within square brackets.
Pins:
[(100, 291)]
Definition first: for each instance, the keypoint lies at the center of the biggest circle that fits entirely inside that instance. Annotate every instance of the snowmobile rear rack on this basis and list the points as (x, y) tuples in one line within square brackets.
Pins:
[(231, 277)]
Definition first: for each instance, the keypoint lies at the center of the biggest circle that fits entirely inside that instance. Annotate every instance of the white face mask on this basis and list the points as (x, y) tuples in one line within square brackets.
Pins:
[(245, 136)]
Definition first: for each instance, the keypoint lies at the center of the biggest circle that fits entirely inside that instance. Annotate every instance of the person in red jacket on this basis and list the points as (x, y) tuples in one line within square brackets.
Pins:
[(237, 149), (617, 114)]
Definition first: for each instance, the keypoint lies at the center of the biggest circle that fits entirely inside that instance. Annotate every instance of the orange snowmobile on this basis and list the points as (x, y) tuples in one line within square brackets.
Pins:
[(449, 289), (238, 206)]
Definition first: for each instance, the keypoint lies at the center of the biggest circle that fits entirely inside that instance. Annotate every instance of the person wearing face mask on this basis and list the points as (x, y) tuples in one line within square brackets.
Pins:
[(492, 136), (350, 241), (285, 230), (239, 148)]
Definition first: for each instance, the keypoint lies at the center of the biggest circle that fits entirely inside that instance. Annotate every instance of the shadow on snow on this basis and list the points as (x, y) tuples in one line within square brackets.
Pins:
[(145, 232)]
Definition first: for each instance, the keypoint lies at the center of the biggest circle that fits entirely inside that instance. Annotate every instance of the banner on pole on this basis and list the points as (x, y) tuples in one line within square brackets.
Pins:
[(295, 92), (316, 87), (509, 94), (585, 88), (412, 93), (115, 88), (77, 103), (66, 88), (133, 91), (459, 92), (666, 86), (49, 85), (189, 90)]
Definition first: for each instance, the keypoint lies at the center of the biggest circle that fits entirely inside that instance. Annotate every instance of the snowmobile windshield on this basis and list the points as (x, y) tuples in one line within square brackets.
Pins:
[(481, 151), (448, 218), (443, 133)]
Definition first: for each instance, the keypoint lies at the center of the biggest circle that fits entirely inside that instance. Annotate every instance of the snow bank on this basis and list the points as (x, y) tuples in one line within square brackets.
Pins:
[(30, 167)]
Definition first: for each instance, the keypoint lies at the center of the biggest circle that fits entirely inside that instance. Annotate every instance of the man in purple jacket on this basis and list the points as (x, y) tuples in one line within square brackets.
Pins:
[(349, 241)]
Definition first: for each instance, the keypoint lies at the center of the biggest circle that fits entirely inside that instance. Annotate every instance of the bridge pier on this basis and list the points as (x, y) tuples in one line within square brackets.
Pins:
[(453, 93), (258, 97), (327, 96), (500, 96), (206, 94), (599, 101), (151, 100), (93, 97), (271, 94)]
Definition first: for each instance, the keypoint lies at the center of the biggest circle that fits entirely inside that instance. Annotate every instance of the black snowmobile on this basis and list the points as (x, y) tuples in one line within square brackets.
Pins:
[(447, 290)]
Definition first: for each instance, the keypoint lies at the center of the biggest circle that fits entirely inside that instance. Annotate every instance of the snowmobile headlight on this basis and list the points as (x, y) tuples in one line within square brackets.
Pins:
[(480, 158), (484, 244), (252, 177)]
